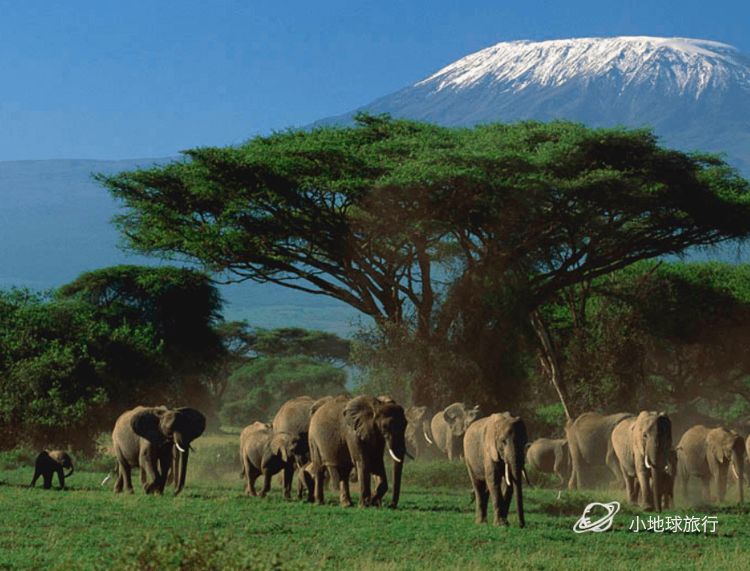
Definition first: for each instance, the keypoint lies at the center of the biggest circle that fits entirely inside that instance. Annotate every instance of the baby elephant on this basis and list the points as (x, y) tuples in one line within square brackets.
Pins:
[(263, 452), (49, 462)]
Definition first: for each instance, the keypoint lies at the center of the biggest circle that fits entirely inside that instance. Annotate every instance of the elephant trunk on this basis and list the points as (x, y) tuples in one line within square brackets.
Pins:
[(397, 450), (656, 487), (69, 474), (738, 466), (517, 476), (183, 452)]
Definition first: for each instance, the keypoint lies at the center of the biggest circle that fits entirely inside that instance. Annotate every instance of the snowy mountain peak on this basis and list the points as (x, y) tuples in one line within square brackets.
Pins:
[(677, 65)]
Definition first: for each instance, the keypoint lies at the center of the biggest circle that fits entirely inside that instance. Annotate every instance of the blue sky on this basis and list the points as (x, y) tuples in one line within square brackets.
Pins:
[(106, 79)]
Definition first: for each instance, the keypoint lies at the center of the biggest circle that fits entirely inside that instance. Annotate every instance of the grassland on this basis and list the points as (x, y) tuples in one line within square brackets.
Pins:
[(212, 525)]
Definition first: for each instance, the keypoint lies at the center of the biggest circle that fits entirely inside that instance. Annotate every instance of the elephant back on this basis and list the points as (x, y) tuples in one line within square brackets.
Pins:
[(294, 415)]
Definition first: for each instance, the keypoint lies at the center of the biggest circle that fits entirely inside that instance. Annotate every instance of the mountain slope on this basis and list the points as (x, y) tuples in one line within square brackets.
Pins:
[(694, 93)]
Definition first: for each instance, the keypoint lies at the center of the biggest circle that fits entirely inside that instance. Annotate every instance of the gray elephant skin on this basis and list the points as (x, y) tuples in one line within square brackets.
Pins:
[(265, 452), (418, 431), (590, 441), (449, 426), (550, 456), (642, 445), (708, 454), (347, 433), (293, 418), (150, 438), (494, 452), (50, 462)]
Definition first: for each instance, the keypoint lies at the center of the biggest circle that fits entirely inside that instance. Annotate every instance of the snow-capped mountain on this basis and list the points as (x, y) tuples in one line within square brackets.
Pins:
[(694, 93)]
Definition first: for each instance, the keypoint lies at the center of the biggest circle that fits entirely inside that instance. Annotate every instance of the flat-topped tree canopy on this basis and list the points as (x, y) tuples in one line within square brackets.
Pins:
[(363, 214)]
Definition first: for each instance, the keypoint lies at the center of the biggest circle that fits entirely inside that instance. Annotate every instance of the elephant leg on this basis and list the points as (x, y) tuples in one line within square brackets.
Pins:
[(251, 476), (706, 484), (493, 478), (647, 497), (382, 484), (288, 478), (507, 495), (481, 497), (47, 476), (365, 490), (575, 461), (340, 480), (319, 485), (61, 477), (267, 476), (309, 484), (37, 473)]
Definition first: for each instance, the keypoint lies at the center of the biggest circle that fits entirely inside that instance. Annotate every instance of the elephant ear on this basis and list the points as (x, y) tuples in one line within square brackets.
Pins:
[(147, 424), (452, 413), (189, 421), (280, 445), (359, 414)]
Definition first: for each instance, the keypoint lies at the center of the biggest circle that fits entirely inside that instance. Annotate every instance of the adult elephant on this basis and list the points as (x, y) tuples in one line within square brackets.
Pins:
[(50, 462), (418, 430), (293, 418), (347, 433), (449, 426), (642, 445), (149, 438), (708, 454), (265, 452), (494, 451), (550, 456), (590, 442)]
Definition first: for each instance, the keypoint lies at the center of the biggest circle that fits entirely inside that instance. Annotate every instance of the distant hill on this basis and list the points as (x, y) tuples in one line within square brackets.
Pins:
[(54, 225)]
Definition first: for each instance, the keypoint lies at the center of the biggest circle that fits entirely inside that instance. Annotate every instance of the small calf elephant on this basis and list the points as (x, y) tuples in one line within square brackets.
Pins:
[(263, 452), (550, 456), (51, 462)]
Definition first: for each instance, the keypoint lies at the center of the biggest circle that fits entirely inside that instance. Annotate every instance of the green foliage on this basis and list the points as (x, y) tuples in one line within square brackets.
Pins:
[(72, 361), (659, 335), (257, 389)]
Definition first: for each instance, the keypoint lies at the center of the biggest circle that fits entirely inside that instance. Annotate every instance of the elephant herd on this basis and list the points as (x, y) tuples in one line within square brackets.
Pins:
[(334, 439)]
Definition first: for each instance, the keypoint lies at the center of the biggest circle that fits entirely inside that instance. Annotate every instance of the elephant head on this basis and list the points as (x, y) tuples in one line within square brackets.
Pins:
[(419, 421), (177, 428), (727, 447), (459, 418), (380, 423), (652, 440), (284, 448), (505, 442)]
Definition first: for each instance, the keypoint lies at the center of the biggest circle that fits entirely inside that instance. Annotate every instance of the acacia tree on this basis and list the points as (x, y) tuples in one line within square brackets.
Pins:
[(445, 231)]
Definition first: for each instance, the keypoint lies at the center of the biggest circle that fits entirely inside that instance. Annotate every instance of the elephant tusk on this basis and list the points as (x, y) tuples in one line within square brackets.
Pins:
[(645, 458), (395, 458), (734, 471), (507, 474), (427, 438), (180, 448), (105, 480)]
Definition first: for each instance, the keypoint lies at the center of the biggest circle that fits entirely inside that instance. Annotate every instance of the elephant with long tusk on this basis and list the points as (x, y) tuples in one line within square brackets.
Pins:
[(418, 431), (347, 433), (642, 447), (156, 439), (494, 452)]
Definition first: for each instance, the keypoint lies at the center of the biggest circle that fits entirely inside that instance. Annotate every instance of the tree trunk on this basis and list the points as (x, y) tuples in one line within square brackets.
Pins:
[(548, 358)]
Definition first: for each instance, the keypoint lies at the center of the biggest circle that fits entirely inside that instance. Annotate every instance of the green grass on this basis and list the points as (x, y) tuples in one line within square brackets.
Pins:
[(212, 525)]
